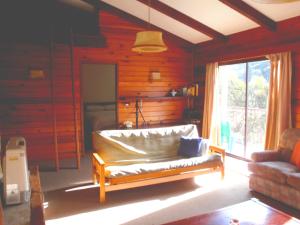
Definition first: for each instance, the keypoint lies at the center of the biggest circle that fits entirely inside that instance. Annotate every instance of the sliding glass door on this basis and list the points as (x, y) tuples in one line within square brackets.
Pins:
[(243, 89)]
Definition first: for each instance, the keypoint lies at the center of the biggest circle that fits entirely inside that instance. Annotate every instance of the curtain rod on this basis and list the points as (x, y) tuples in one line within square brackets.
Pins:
[(243, 60)]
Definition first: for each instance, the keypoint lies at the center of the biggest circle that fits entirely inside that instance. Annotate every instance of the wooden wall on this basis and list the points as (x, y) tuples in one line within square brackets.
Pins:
[(133, 71), (259, 42), (28, 107)]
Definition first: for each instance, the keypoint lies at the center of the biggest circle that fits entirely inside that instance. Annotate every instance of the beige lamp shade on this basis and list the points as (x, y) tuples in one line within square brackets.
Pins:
[(149, 41)]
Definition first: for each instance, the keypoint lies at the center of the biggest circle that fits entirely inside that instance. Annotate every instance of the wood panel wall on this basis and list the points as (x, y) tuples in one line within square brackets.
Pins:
[(26, 105), (259, 42), (133, 72)]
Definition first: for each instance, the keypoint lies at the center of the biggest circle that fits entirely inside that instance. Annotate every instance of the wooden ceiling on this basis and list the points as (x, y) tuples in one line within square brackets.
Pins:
[(198, 21)]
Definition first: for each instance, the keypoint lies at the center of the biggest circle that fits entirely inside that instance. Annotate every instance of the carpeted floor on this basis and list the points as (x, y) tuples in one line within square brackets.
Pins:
[(155, 204), (69, 176)]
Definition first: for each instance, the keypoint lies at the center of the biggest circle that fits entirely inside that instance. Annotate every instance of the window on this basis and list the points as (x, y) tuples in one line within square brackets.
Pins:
[(243, 90)]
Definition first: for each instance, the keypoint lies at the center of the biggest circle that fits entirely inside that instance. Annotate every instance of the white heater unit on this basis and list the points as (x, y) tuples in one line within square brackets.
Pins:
[(16, 175)]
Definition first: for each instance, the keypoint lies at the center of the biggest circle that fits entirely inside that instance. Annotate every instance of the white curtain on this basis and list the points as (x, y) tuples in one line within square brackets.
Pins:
[(211, 117), (279, 100)]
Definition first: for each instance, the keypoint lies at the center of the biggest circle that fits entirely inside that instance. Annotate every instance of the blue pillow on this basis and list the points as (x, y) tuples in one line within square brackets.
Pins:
[(190, 147)]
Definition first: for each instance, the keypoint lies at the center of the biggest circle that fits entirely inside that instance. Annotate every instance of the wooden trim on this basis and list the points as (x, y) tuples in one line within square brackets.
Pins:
[(219, 150), (75, 116), (250, 12), (99, 174), (116, 92), (243, 60), (82, 107), (53, 99), (98, 159), (119, 183), (259, 42), (94, 170), (183, 18), (158, 180), (36, 209), (36, 199), (125, 99), (157, 174)]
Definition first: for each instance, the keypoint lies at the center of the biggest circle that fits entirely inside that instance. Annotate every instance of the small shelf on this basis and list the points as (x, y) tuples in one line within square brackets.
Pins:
[(146, 98), (191, 96)]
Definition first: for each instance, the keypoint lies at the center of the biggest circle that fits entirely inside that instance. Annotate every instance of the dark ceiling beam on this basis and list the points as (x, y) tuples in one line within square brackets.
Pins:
[(183, 18), (250, 12), (107, 7)]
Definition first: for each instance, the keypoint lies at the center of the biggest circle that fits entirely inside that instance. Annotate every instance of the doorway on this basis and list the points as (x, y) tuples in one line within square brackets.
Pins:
[(244, 91), (98, 84)]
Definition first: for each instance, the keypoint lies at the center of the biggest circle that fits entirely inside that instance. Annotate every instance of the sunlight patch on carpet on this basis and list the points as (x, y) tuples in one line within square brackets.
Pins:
[(213, 180), (82, 187), (127, 212)]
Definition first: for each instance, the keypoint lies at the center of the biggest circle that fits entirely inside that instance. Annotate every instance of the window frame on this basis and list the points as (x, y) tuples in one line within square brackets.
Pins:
[(246, 61)]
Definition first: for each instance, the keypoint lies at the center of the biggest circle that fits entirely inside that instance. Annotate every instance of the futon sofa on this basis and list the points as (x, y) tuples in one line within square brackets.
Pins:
[(273, 174), (139, 157)]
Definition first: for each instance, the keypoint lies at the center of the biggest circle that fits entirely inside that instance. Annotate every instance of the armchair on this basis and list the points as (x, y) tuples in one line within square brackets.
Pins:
[(273, 174)]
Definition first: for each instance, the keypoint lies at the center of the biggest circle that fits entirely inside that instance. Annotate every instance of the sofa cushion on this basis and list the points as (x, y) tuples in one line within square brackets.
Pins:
[(139, 145), (293, 180), (189, 147), (187, 164), (289, 138), (265, 156), (295, 158), (276, 171)]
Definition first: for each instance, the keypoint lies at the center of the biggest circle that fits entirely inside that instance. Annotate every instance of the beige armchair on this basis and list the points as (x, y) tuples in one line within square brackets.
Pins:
[(273, 174)]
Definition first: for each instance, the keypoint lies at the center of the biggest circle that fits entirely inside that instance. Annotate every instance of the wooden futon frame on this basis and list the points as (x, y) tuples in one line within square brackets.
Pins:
[(144, 179)]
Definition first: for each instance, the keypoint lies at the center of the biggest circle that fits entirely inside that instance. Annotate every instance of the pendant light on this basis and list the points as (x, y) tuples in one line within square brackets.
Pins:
[(149, 41)]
